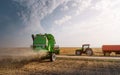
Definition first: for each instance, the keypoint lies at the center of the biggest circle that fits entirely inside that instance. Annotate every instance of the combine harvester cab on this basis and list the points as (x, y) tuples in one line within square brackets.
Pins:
[(45, 43)]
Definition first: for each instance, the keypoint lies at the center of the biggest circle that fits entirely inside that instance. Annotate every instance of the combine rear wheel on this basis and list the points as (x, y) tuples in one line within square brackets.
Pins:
[(89, 52), (52, 57)]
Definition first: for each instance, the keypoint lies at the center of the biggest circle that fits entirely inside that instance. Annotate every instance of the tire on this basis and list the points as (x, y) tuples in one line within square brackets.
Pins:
[(52, 57), (78, 52), (89, 52), (106, 53), (117, 52)]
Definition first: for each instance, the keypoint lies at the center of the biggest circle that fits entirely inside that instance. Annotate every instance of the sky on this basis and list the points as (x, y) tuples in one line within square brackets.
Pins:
[(72, 22)]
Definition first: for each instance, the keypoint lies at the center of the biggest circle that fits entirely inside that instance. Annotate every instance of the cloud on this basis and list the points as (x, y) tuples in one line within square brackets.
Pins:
[(65, 8), (63, 20), (102, 5), (31, 13), (87, 21), (98, 25), (74, 4), (81, 5), (34, 11)]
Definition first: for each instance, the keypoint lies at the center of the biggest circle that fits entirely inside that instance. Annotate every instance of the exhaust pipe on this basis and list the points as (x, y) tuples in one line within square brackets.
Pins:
[(33, 37)]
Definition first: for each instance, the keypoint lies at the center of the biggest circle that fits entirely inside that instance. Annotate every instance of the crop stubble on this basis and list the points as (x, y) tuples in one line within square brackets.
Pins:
[(59, 67)]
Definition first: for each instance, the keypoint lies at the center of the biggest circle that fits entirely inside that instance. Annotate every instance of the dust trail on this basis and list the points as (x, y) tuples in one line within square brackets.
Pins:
[(20, 54)]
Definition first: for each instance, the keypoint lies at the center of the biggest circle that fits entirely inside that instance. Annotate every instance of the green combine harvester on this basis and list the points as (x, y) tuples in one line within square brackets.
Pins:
[(46, 43)]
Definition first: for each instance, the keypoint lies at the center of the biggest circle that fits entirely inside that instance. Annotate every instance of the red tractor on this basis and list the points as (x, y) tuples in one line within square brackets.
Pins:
[(85, 49)]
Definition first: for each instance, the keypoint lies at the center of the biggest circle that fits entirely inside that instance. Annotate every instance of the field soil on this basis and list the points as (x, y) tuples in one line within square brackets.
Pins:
[(23, 61), (61, 67), (71, 51)]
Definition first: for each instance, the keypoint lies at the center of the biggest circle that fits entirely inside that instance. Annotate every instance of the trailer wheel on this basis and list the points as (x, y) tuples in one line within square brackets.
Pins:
[(78, 52), (106, 53), (89, 52), (52, 57)]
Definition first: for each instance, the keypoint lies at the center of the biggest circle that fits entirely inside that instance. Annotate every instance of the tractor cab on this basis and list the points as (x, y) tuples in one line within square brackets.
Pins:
[(85, 46), (84, 49)]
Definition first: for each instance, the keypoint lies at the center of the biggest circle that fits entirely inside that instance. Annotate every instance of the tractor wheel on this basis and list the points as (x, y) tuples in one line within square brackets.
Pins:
[(52, 57), (89, 52), (78, 52)]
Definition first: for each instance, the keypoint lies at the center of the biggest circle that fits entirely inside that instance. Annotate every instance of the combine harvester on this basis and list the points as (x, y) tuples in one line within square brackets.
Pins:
[(45, 43)]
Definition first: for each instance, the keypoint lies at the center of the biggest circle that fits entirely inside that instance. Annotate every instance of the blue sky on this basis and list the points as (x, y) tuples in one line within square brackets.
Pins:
[(72, 22)]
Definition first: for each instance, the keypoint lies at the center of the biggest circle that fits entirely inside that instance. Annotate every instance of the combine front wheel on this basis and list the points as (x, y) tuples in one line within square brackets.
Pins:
[(52, 57)]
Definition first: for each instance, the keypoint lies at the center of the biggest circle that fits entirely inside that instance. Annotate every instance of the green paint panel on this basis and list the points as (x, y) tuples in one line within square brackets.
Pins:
[(39, 39), (43, 42)]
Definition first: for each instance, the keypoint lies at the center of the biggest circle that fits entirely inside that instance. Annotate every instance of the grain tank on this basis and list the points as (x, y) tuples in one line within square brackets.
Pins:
[(46, 43), (108, 49)]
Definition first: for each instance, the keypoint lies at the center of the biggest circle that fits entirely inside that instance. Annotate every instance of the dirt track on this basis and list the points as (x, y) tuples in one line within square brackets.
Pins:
[(89, 57)]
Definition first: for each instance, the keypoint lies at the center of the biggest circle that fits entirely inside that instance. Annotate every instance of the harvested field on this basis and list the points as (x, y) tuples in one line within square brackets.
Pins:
[(71, 51), (26, 62), (61, 67)]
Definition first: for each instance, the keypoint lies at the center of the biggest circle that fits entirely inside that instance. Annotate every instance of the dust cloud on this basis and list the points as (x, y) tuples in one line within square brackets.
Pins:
[(20, 54)]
